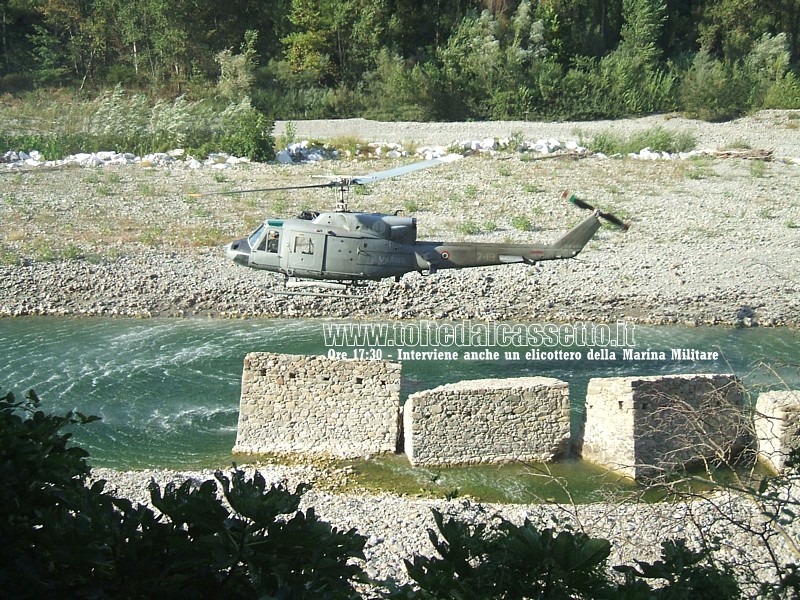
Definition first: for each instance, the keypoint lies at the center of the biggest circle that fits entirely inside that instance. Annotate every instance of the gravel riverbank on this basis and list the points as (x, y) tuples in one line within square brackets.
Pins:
[(712, 240), (396, 527)]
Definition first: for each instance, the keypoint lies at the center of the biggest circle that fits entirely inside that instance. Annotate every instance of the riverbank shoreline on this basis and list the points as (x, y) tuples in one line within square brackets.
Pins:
[(397, 527)]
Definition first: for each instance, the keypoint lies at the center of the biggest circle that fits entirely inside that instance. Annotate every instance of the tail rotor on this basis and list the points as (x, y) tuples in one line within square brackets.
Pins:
[(611, 218)]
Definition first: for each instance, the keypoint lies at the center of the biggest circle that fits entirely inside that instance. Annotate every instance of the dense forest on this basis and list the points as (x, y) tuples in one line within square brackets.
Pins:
[(416, 60)]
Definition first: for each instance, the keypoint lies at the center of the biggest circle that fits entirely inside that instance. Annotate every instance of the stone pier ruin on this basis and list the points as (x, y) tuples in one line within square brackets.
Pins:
[(318, 406), (777, 425), (637, 426), (642, 426), (488, 421)]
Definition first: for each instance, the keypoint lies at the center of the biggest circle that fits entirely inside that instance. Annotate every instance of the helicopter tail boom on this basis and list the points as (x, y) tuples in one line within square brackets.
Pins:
[(572, 242), (455, 255)]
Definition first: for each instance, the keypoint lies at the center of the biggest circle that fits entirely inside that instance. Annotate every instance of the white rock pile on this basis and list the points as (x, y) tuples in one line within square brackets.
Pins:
[(309, 151), (174, 158)]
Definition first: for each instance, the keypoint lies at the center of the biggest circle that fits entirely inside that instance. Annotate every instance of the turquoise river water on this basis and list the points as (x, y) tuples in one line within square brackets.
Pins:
[(167, 390)]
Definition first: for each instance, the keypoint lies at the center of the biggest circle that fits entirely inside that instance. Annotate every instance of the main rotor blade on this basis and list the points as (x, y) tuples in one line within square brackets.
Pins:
[(423, 164), (346, 180), (273, 189)]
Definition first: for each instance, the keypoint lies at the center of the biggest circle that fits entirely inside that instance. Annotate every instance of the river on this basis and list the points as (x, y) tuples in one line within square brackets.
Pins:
[(167, 390)]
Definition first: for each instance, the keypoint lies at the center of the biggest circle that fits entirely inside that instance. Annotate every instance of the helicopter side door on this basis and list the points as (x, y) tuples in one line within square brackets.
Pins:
[(265, 253), (304, 255)]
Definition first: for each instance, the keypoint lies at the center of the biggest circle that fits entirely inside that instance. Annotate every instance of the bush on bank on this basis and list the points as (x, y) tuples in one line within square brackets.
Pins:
[(237, 537), (124, 122), (61, 537)]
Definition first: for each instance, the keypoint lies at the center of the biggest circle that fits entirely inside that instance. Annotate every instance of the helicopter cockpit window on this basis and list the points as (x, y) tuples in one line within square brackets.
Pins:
[(253, 238), (272, 240), (303, 245)]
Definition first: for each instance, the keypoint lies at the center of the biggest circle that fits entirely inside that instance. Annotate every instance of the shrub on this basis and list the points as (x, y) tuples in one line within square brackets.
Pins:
[(509, 562), (246, 132), (522, 561), (522, 223), (656, 138), (783, 93), (62, 537), (237, 71), (397, 92), (125, 122), (712, 91), (627, 85)]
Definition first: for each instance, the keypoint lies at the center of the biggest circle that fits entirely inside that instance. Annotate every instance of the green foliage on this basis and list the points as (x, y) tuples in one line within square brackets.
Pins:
[(713, 91), (783, 93), (71, 252), (628, 85), (728, 29), (658, 139), (687, 573), (774, 85), (237, 537), (8, 256), (405, 60), (262, 545), (237, 71), (410, 205), (521, 223), (468, 228), (397, 92), (643, 21), (510, 562), (64, 537), (288, 136), (124, 122), (246, 132), (522, 561)]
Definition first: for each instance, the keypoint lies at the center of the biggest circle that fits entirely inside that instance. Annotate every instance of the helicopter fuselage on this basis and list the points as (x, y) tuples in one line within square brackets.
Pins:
[(354, 246)]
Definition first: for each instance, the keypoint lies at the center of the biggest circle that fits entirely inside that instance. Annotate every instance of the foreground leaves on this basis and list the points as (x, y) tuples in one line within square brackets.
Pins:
[(61, 537)]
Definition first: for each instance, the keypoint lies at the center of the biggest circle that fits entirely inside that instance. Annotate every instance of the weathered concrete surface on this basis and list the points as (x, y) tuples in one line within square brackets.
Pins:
[(487, 421), (294, 404), (643, 426), (777, 426)]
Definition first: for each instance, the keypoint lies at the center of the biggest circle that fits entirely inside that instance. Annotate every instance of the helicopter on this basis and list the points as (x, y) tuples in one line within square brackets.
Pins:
[(338, 250)]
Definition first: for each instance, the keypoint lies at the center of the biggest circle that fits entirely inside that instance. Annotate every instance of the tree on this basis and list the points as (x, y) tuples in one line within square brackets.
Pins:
[(785, 16), (641, 31), (583, 28), (237, 72), (74, 35), (729, 28)]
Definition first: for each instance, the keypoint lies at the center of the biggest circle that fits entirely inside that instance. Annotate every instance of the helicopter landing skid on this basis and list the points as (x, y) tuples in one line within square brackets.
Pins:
[(339, 289), (316, 294)]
